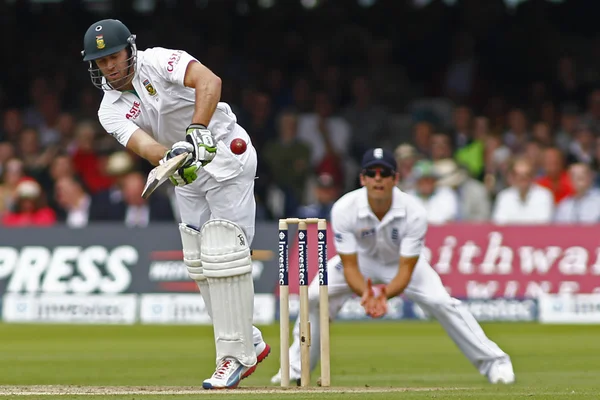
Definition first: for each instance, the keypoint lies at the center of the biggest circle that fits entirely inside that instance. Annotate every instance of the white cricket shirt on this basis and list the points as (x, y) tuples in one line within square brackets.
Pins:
[(163, 107), (357, 230)]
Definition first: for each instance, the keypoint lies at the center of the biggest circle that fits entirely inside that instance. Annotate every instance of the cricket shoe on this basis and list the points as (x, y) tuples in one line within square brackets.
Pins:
[(227, 375), (501, 372), (262, 352), (230, 371), (276, 379)]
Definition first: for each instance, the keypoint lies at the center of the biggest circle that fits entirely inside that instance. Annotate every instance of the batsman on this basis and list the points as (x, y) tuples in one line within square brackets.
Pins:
[(161, 103)]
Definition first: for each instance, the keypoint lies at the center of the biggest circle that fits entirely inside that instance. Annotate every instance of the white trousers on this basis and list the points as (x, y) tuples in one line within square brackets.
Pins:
[(232, 199), (425, 289)]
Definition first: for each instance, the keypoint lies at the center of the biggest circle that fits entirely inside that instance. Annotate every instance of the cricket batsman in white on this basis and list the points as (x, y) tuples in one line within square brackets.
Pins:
[(379, 236), (161, 103)]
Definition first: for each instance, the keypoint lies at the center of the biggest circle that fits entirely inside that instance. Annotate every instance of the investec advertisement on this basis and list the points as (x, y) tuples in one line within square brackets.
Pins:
[(85, 275)]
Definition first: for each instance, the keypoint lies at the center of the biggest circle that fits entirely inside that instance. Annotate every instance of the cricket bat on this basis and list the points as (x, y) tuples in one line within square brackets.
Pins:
[(161, 173)]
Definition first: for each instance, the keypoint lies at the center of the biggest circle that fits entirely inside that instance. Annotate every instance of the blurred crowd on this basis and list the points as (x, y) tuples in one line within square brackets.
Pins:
[(488, 121)]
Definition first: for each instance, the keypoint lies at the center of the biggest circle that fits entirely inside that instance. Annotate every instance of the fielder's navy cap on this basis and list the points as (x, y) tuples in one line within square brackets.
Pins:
[(380, 157)]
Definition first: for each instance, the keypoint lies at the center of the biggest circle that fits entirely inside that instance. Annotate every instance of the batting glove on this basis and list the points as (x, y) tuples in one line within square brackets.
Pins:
[(189, 171), (202, 140), (186, 175), (177, 149)]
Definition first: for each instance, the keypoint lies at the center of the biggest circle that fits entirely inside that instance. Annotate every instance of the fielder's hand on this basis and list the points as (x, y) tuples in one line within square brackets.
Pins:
[(202, 140), (374, 301), (189, 171)]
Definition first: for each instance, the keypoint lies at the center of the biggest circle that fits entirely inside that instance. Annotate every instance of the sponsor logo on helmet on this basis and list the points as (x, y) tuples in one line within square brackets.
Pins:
[(100, 42), (149, 87), (134, 112)]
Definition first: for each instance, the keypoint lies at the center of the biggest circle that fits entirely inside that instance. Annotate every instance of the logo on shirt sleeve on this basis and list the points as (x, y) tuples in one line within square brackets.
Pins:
[(173, 60), (338, 237)]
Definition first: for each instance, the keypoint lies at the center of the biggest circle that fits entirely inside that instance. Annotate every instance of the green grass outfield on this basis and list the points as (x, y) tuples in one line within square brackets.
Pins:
[(381, 360)]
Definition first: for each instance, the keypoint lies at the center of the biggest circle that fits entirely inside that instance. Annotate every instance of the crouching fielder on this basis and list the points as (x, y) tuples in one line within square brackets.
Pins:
[(160, 103), (379, 236)]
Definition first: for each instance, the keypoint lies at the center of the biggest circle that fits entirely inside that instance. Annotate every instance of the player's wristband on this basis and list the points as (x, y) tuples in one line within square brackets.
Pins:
[(196, 126)]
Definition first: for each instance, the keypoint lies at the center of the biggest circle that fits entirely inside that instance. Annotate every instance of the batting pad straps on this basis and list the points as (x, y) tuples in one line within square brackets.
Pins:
[(225, 251), (190, 240)]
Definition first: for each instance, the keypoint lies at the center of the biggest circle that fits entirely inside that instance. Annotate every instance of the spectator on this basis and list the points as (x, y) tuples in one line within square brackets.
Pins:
[(592, 114), (327, 135), (86, 159), (406, 157), (473, 199), (524, 202), (73, 201), (495, 162), (517, 134), (140, 212), (368, 121), (108, 204), (422, 133), (556, 178), (326, 193), (581, 149), (12, 124), (583, 206), (441, 202), (441, 146), (569, 120), (534, 153), (471, 154), (7, 151), (542, 133), (462, 125), (288, 159), (12, 173), (29, 208)]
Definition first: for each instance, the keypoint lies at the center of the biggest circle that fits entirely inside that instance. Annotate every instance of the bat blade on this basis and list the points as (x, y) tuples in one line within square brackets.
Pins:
[(161, 173)]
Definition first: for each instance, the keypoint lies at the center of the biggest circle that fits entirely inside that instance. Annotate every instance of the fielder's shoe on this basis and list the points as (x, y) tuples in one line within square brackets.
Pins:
[(262, 351), (501, 372), (276, 379)]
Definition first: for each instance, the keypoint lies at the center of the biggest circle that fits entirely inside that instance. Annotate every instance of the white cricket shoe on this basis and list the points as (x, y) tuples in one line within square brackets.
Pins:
[(276, 379), (230, 371), (262, 351), (227, 375), (501, 372)]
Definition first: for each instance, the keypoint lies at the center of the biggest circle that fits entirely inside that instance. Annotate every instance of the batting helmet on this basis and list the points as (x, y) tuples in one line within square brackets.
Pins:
[(104, 38)]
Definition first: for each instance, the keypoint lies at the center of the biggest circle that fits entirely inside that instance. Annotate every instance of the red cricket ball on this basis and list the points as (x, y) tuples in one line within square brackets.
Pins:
[(238, 146)]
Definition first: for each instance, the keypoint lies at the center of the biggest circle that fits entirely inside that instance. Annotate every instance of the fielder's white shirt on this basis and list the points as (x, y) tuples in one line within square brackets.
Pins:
[(163, 107), (537, 208), (357, 230)]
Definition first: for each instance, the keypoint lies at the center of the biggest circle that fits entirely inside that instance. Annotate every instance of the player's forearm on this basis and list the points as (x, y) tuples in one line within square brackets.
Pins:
[(355, 280), (208, 94), (146, 147), (153, 153), (399, 283)]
